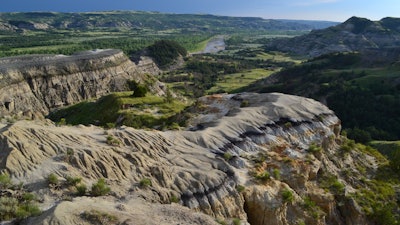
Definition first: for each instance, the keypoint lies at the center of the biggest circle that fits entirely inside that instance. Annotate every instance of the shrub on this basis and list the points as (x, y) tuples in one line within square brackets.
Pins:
[(52, 179), (347, 145), (314, 148), (100, 188), (312, 208), (287, 195), (5, 181), (145, 182), (264, 176), (277, 174), (222, 221), (111, 140), (169, 98), (69, 155), (73, 181), (81, 189), (236, 221), (62, 122), (138, 89), (70, 152), (330, 181), (28, 197), (174, 199), (228, 156), (174, 126), (240, 188), (379, 201), (8, 206), (337, 187), (27, 210)]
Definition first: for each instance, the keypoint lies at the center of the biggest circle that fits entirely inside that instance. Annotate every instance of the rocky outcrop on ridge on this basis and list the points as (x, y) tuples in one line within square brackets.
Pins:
[(241, 156), (148, 66), (355, 34), (31, 86)]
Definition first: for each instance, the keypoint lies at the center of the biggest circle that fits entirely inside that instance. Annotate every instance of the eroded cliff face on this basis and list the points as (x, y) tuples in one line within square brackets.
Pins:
[(31, 86), (261, 158)]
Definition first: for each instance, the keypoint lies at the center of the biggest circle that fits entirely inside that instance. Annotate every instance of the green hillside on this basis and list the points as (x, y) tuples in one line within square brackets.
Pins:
[(123, 109), (366, 99)]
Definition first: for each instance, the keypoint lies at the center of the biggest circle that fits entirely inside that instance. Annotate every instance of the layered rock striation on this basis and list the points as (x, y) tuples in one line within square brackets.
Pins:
[(253, 157), (31, 86)]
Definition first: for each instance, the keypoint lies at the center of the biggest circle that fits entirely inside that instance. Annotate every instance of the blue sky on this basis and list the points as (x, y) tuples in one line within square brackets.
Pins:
[(333, 10)]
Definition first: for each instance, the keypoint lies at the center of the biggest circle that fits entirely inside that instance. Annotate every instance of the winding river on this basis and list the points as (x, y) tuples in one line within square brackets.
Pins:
[(215, 45)]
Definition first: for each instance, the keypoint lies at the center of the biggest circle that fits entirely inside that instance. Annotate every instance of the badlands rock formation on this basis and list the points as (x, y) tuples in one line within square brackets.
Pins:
[(354, 35), (31, 86), (217, 168)]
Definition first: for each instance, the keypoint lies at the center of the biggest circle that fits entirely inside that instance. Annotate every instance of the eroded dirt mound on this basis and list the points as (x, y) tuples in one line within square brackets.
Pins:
[(253, 157)]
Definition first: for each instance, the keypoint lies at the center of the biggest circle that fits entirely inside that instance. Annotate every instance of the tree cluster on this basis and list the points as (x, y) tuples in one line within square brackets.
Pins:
[(165, 52)]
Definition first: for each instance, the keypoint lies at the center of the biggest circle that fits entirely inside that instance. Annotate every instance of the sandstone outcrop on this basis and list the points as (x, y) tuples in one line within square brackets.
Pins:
[(239, 156), (31, 86), (146, 65)]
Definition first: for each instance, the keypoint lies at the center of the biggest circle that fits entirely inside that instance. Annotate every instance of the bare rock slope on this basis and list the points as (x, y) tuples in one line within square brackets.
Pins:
[(240, 155), (31, 86)]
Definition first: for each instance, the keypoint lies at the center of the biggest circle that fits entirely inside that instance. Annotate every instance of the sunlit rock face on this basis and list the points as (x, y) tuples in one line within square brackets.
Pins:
[(31, 86)]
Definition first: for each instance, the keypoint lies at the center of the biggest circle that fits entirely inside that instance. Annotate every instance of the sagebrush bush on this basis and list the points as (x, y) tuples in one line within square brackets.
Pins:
[(111, 140), (26, 210), (145, 182), (5, 181), (81, 189), (52, 179), (100, 188), (73, 181), (228, 156), (174, 199), (11, 208), (8, 207)]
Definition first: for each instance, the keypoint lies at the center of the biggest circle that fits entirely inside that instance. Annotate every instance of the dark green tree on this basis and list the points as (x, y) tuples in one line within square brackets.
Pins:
[(138, 89)]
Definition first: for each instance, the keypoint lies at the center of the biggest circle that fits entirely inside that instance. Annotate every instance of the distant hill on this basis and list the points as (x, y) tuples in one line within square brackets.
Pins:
[(148, 20), (355, 34), (363, 92), (315, 24)]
